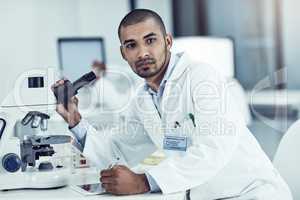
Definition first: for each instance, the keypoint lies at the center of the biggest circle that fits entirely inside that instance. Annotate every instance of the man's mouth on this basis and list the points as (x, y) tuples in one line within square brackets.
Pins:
[(145, 66), (144, 63)]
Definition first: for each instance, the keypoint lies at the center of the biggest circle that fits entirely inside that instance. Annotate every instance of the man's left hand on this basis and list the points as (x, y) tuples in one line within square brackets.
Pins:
[(120, 180)]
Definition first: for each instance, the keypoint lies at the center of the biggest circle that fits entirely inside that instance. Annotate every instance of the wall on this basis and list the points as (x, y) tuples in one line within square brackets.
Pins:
[(28, 35), (162, 7), (102, 18), (291, 41), (251, 24)]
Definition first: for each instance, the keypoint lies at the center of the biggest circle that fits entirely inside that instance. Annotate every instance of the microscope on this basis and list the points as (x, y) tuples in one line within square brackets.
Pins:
[(27, 145)]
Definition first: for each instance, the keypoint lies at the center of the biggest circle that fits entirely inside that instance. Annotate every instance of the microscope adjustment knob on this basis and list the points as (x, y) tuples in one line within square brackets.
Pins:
[(11, 162)]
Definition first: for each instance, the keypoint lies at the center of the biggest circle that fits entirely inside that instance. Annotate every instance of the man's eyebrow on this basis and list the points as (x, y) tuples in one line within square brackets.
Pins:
[(146, 36), (127, 41), (149, 35)]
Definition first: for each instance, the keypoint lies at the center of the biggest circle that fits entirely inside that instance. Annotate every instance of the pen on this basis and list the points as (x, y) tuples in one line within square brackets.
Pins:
[(114, 163), (189, 116), (177, 124)]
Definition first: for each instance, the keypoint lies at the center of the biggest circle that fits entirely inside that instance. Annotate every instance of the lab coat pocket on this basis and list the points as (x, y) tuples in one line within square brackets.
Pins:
[(177, 140)]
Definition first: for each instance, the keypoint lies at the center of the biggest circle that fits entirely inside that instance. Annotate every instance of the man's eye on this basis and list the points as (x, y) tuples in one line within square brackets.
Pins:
[(130, 45), (150, 40)]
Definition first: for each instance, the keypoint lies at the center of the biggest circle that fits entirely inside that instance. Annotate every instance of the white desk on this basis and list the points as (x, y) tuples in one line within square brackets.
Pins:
[(81, 176), (67, 193)]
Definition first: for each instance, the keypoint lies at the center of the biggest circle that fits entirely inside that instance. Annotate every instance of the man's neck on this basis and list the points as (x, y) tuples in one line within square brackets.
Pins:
[(155, 81)]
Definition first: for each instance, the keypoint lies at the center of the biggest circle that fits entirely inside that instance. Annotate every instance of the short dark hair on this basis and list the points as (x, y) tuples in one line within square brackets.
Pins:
[(140, 15)]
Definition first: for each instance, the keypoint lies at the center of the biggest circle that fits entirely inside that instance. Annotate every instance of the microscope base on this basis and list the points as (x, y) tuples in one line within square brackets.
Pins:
[(35, 180)]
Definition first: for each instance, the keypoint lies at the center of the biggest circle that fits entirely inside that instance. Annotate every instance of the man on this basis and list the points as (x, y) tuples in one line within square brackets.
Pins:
[(184, 109)]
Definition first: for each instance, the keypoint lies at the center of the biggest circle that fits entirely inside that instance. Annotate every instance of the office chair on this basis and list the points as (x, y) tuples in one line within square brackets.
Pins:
[(287, 160), (219, 53)]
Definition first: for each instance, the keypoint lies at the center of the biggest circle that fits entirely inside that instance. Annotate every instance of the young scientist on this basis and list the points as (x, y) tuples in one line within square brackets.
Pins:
[(184, 109)]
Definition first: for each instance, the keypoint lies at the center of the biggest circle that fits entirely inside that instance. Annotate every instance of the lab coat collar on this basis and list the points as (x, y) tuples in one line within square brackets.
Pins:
[(181, 66), (170, 68), (175, 69), (167, 75)]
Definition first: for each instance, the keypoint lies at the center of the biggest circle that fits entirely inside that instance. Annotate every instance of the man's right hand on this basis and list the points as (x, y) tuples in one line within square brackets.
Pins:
[(70, 115)]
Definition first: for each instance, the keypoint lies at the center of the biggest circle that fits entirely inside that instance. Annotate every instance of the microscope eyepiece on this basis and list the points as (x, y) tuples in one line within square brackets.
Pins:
[(65, 92)]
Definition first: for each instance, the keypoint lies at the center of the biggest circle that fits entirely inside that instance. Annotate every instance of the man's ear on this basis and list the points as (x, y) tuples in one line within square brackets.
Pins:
[(169, 41), (122, 53)]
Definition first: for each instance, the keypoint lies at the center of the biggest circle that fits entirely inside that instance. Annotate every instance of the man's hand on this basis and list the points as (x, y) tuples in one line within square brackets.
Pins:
[(120, 180), (71, 116), (99, 68)]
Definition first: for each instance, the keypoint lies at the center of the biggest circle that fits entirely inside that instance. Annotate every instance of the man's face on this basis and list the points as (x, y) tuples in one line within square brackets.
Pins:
[(145, 47)]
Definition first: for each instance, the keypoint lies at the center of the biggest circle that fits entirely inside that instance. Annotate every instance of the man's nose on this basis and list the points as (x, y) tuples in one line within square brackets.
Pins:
[(143, 52)]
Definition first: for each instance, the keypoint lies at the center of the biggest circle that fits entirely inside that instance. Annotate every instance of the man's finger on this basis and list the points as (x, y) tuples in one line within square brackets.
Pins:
[(108, 180), (98, 67), (107, 172), (62, 110), (62, 81), (57, 83), (75, 100), (110, 188)]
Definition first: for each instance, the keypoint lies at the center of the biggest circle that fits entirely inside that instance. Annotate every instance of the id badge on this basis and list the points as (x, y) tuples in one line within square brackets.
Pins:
[(176, 143)]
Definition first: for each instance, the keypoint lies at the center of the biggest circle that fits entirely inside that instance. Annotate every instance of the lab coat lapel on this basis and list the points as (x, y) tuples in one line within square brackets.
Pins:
[(180, 67), (151, 119), (154, 124), (173, 87)]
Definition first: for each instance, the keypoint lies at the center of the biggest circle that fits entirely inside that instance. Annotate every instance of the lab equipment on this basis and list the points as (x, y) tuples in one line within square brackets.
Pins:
[(66, 91), (37, 119), (36, 146), (2, 126), (28, 146)]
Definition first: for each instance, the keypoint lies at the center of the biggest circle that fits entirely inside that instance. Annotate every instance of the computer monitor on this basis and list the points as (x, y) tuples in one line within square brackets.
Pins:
[(76, 55)]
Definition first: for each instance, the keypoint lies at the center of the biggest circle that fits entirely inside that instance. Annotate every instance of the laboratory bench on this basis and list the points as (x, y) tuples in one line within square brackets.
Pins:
[(79, 177), (68, 193)]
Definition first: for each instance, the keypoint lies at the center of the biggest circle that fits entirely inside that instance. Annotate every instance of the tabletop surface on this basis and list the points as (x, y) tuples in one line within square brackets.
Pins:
[(68, 193), (82, 176)]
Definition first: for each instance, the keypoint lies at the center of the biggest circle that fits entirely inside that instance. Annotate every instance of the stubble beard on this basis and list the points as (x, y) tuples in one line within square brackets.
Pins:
[(156, 70)]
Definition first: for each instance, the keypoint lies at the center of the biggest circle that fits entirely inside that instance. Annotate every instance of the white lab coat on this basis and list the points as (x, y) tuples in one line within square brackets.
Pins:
[(222, 160)]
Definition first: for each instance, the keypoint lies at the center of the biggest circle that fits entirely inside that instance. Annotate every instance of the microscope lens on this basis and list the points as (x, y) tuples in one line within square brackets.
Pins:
[(36, 121), (44, 124)]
